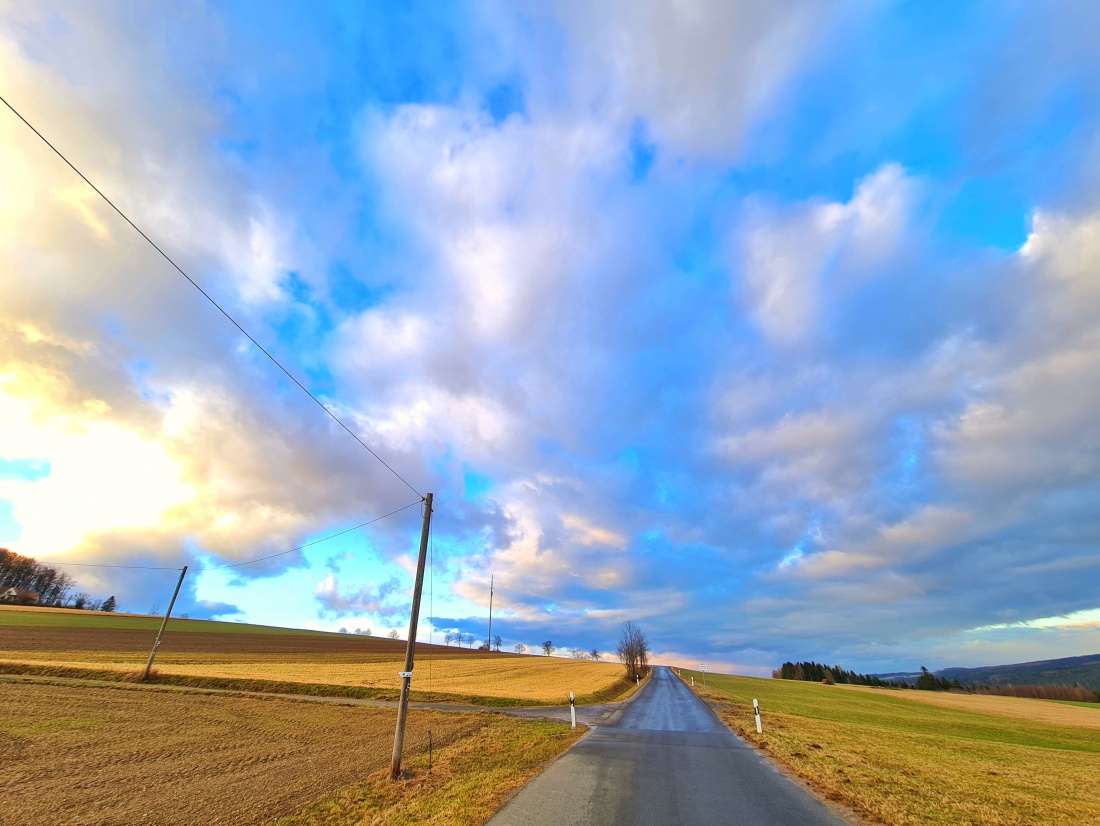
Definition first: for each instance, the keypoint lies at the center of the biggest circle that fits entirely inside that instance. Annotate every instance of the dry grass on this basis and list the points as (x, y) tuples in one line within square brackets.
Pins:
[(470, 781), (906, 763), (1020, 708), (131, 755)]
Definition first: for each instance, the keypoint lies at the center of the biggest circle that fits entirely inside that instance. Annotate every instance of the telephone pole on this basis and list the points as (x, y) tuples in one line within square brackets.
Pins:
[(490, 640), (163, 625), (410, 649)]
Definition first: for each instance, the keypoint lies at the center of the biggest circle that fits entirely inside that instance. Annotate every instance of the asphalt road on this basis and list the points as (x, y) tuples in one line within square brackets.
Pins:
[(666, 760)]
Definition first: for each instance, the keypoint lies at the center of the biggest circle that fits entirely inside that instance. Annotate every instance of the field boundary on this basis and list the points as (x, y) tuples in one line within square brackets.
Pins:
[(621, 690)]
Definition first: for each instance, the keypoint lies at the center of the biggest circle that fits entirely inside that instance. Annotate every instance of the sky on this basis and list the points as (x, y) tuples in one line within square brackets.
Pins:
[(772, 327)]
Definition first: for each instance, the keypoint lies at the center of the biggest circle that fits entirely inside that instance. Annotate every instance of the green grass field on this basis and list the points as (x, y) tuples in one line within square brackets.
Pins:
[(906, 763), (30, 618)]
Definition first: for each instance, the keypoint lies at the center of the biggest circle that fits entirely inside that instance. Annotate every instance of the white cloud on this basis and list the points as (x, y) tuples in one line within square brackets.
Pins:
[(700, 73), (789, 259)]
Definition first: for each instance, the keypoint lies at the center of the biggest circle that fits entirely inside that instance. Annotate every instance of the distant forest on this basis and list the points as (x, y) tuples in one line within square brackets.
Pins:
[(927, 681), (818, 672)]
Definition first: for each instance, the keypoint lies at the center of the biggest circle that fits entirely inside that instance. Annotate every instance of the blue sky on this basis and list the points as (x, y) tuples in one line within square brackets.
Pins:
[(773, 330)]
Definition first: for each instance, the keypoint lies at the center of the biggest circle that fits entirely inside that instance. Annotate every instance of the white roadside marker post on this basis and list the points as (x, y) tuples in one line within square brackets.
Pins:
[(756, 709), (572, 711), (693, 682)]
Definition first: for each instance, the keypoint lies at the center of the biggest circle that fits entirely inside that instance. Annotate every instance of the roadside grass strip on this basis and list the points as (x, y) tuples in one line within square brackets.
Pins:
[(903, 762), (124, 755), (469, 781)]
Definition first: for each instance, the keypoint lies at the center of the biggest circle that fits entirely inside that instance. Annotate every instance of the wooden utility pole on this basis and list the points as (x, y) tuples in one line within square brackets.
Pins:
[(163, 625), (410, 649), (490, 640)]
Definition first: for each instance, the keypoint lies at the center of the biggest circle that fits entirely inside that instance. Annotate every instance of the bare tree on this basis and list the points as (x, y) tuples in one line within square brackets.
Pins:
[(633, 650), (393, 635), (520, 648), (595, 654), (578, 654), (497, 642), (469, 640), (448, 638), (548, 647)]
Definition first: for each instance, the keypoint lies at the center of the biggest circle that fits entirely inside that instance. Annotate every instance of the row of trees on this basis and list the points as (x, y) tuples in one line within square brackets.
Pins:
[(633, 647), (27, 574), (819, 673), (53, 587)]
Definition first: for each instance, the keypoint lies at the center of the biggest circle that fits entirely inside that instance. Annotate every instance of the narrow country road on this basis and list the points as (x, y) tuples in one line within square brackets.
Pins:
[(667, 760)]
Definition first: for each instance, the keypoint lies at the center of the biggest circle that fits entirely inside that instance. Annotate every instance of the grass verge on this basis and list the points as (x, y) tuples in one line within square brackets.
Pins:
[(906, 763), (468, 782)]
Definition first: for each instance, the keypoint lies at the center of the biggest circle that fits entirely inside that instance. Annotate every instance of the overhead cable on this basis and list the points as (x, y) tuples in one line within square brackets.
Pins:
[(314, 542), (50, 562), (208, 297)]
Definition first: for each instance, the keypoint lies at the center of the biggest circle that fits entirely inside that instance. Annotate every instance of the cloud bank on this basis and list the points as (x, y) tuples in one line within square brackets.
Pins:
[(675, 331)]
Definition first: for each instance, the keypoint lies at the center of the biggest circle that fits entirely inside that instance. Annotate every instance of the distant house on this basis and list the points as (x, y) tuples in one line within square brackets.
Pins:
[(19, 596)]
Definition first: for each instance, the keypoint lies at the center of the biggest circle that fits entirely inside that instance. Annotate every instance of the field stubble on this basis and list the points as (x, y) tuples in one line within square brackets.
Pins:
[(130, 755), (64, 641)]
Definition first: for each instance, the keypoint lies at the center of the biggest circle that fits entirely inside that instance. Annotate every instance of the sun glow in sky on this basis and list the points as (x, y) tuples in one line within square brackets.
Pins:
[(774, 328)]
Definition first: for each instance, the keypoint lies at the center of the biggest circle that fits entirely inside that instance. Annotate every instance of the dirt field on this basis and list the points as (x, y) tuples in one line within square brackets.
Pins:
[(130, 755), (328, 659)]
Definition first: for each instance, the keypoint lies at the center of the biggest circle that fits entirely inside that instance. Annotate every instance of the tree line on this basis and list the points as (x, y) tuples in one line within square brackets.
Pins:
[(927, 681), (633, 648), (53, 587), (820, 673)]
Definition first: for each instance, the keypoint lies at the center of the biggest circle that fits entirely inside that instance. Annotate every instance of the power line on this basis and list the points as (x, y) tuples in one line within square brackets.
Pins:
[(236, 564), (51, 563), (315, 541), (208, 297)]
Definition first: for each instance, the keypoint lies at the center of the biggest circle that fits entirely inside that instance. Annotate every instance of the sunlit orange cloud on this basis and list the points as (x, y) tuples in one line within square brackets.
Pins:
[(102, 477)]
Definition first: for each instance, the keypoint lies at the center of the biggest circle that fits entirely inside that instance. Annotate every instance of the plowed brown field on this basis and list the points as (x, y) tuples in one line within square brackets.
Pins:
[(287, 661), (110, 640), (143, 756), (122, 756)]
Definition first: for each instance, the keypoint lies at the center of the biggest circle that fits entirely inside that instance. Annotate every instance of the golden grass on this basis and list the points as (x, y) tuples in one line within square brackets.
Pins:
[(1020, 708), (906, 763), (537, 680), (128, 754), (470, 780)]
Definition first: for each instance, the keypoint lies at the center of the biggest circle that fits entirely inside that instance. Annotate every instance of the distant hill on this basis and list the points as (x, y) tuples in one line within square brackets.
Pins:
[(1068, 671), (898, 676)]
